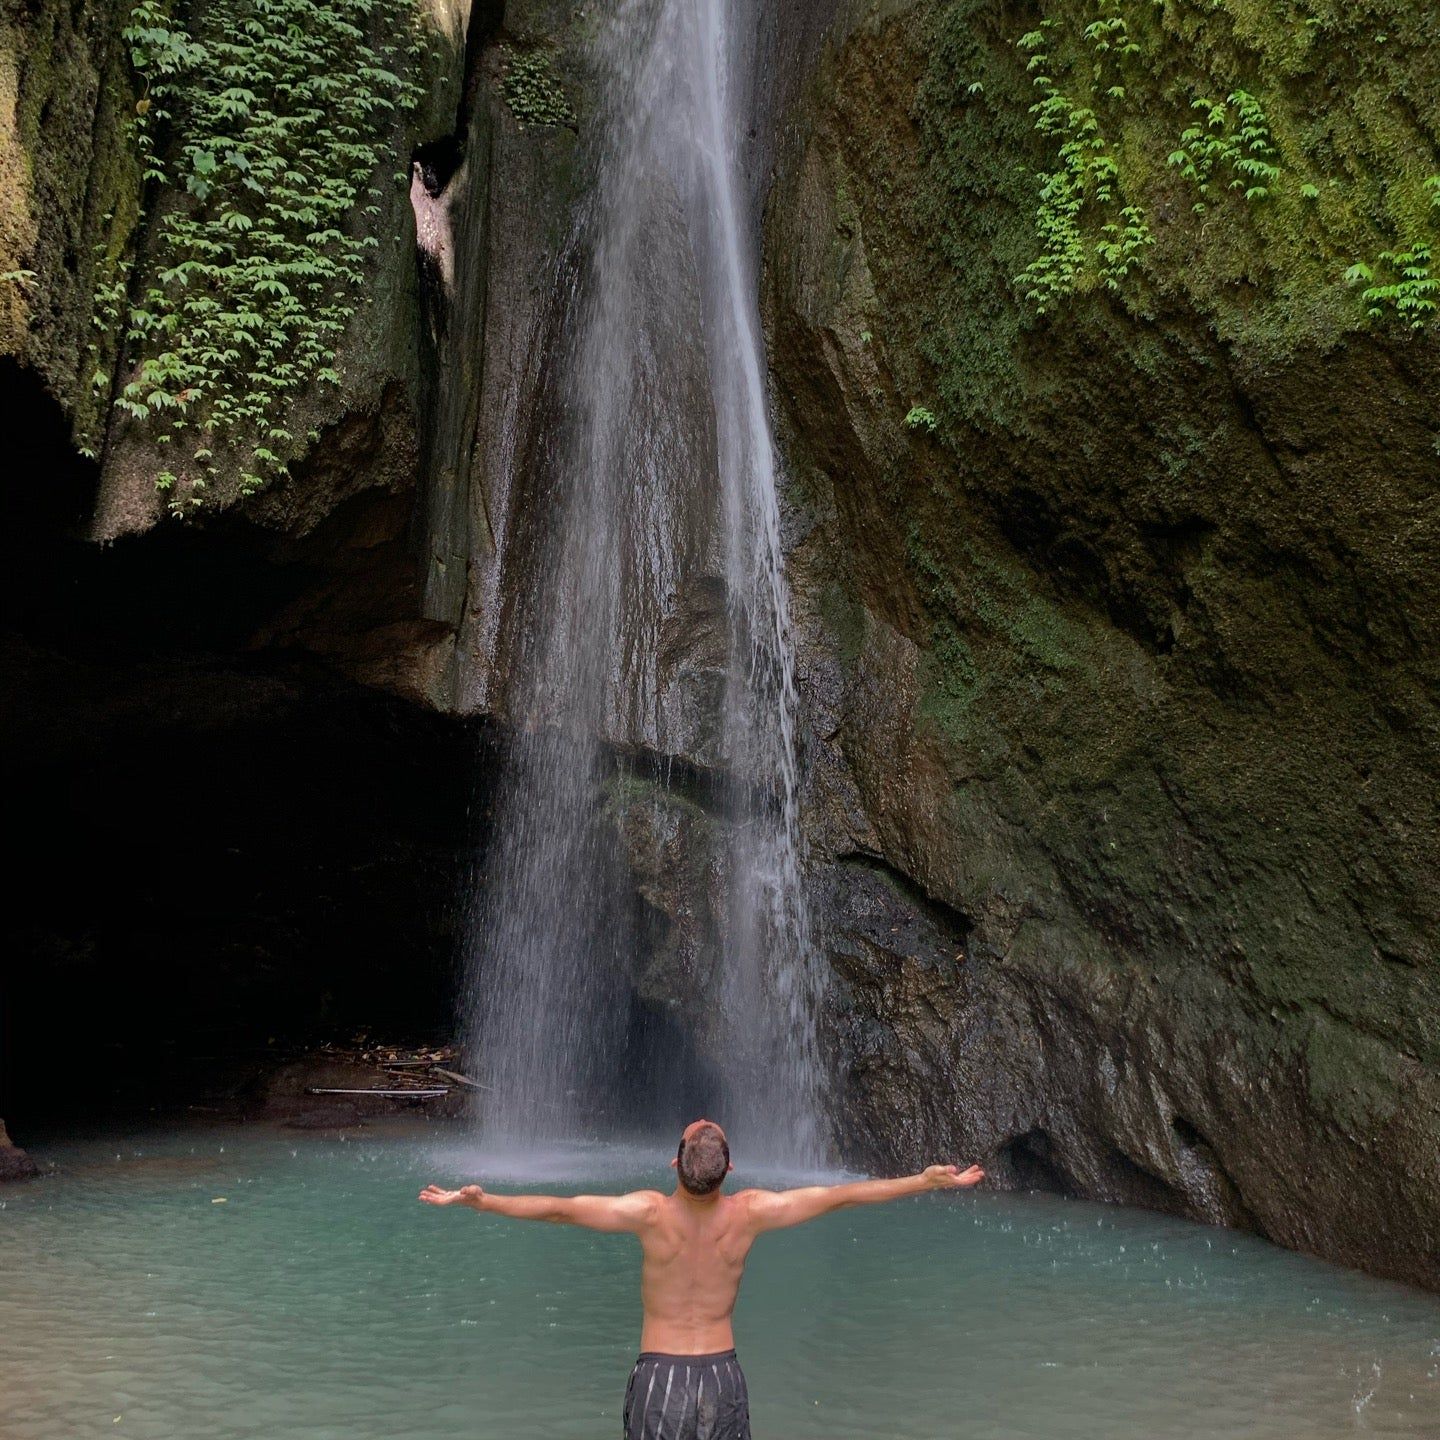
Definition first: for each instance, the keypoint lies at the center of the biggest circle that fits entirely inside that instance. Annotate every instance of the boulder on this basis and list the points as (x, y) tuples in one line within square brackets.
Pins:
[(15, 1164)]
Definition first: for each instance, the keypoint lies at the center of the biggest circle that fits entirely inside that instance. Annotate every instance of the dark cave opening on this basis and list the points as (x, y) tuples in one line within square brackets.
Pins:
[(1035, 1165), (221, 847), (184, 900)]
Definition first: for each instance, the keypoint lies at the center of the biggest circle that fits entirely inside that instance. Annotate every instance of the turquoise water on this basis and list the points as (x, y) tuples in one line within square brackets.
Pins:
[(320, 1300)]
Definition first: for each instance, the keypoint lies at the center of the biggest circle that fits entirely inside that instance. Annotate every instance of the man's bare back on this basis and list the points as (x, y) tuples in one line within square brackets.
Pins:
[(694, 1256), (694, 1243)]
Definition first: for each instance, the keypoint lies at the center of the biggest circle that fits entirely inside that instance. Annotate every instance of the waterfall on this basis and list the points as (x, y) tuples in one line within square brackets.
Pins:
[(656, 515)]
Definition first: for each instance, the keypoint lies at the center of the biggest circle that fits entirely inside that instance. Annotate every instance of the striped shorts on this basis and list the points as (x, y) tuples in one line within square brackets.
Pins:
[(687, 1397)]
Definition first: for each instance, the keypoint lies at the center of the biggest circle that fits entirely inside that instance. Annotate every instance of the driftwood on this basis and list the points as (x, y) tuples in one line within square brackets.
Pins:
[(464, 1080), (427, 1094)]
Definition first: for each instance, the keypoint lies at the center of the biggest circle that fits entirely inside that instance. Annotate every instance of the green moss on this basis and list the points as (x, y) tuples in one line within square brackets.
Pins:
[(1402, 284), (626, 789), (1088, 234), (950, 685), (72, 167), (976, 608), (1101, 159), (951, 679), (844, 619), (972, 201)]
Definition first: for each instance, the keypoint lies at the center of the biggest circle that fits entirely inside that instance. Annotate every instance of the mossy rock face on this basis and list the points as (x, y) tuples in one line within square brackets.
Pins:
[(406, 454), (1130, 661), (271, 287), (85, 249), (77, 217), (69, 184)]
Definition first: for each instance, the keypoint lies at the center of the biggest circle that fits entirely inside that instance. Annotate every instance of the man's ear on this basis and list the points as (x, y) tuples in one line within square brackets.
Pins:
[(728, 1169), (674, 1161)]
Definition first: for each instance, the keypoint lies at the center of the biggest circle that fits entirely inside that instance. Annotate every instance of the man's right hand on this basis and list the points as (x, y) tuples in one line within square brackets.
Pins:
[(951, 1177), (469, 1195)]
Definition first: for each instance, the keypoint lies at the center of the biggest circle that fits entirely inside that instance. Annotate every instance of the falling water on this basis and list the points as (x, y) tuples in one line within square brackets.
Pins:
[(658, 490)]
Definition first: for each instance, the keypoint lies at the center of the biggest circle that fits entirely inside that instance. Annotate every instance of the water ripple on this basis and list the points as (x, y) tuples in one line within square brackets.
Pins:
[(320, 1301)]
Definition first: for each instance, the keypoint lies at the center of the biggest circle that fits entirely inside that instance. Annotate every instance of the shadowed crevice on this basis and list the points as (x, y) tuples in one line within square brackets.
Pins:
[(944, 917)]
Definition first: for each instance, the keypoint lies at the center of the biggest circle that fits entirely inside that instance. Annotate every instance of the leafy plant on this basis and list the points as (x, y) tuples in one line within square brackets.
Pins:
[(919, 418), (1409, 291), (1122, 242), (1235, 138), (1086, 178), (260, 139), (531, 90)]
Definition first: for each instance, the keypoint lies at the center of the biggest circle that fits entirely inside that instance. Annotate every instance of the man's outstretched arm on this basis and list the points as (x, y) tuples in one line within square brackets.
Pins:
[(775, 1209), (613, 1213)]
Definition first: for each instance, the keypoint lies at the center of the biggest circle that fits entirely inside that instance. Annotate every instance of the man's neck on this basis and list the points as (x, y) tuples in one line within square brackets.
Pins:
[(690, 1198)]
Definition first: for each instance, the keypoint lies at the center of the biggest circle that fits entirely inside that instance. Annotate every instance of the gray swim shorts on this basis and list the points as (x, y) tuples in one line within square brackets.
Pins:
[(687, 1397)]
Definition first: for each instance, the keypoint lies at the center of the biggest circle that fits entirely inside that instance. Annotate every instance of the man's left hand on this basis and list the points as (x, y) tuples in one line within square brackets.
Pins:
[(952, 1177), (471, 1195)]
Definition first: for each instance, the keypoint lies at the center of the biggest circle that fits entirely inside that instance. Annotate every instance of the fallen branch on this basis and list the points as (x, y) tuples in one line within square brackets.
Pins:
[(425, 1094), (464, 1080)]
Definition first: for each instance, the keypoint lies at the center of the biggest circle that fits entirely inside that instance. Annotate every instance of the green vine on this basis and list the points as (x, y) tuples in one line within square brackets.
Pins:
[(531, 90), (1235, 137), (261, 138), (1085, 183), (1409, 291)]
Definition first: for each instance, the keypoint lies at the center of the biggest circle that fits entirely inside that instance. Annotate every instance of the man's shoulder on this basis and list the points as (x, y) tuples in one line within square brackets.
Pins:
[(750, 1202), (754, 1196)]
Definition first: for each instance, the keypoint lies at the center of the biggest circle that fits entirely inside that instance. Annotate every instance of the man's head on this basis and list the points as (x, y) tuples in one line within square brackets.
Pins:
[(703, 1159)]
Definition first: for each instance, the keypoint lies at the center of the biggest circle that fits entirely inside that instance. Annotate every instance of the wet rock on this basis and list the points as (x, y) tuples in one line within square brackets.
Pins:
[(674, 852), (15, 1164), (487, 344)]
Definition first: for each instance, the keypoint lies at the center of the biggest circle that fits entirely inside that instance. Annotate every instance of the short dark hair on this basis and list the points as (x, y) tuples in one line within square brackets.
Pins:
[(703, 1160)]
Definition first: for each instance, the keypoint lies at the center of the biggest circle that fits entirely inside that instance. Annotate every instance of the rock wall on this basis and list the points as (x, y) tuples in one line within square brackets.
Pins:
[(1123, 668), (69, 181)]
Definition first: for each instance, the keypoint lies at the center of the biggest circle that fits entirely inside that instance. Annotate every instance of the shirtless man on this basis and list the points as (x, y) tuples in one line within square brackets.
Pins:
[(687, 1384)]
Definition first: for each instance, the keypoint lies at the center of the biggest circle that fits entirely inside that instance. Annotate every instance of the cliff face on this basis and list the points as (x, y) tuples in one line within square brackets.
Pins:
[(1122, 649), (245, 818), (1113, 533)]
